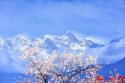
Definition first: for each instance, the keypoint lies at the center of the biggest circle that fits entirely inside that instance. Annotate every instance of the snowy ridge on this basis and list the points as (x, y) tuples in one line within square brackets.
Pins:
[(69, 41)]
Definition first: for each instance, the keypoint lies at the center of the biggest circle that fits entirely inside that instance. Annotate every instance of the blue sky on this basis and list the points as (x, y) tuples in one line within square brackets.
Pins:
[(104, 18), (37, 17)]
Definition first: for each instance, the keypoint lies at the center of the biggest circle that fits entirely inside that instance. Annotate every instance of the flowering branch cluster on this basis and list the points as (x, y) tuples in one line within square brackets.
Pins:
[(65, 67)]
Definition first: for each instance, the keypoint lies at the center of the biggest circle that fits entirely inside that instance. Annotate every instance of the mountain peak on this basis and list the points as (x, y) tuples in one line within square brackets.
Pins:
[(69, 33), (71, 36)]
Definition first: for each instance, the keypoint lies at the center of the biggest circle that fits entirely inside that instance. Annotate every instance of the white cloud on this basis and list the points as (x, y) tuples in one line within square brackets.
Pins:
[(75, 46), (7, 64), (1, 42), (121, 43), (96, 39)]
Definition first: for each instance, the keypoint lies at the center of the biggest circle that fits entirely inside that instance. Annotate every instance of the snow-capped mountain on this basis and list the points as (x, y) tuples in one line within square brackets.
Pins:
[(72, 42), (68, 40), (106, 52)]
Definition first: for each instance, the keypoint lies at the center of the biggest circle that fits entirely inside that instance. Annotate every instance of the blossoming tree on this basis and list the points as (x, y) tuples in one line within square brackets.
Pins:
[(65, 67)]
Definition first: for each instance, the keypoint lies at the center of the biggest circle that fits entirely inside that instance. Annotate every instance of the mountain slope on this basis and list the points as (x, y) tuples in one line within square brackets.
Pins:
[(118, 67)]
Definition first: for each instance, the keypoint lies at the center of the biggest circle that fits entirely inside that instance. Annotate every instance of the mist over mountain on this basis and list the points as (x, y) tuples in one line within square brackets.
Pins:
[(105, 52), (111, 52)]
